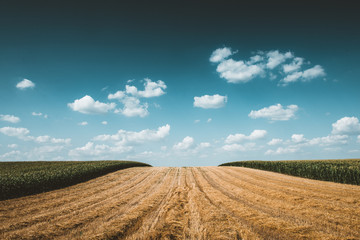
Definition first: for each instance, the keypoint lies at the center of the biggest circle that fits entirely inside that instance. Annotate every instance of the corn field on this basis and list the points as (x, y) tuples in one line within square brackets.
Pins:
[(341, 171), (24, 178)]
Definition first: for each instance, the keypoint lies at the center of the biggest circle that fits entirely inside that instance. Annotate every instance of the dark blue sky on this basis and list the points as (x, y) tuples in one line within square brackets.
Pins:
[(71, 49)]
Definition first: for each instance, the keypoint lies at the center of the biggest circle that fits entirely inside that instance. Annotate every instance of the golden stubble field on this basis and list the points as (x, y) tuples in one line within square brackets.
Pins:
[(187, 203)]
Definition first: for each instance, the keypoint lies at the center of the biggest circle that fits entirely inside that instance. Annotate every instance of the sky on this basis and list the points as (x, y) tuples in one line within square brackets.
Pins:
[(179, 83)]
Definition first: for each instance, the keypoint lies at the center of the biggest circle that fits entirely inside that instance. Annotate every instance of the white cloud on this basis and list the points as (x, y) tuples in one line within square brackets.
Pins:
[(20, 133), (239, 147), (207, 101), (238, 71), (298, 138), (118, 95), (9, 118), (104, 122), (61, 140), (220, 54), (39, 114), (151, 89), (307, 75), (276, 58), (42, 139), (328, 140), (275, 141), (281, 150), (275, 112), (358, 139), (209, 120), (197, 121), (263, 64), (185, 144), (347, 126), (133, 107), (204, 145), (255, 135), (127, 137), (103, 150), (12, 145), (10, 155), (26, 83), (87, 105), (294, 66), (83, 123)]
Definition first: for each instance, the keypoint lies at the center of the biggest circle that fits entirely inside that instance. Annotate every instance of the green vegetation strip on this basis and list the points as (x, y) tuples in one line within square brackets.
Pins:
[(341, 171), (19, 179)]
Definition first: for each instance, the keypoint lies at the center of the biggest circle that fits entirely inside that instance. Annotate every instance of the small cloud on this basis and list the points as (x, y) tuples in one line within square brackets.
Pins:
[(9, 118), (39, 114), (346, 126), (305, 76), (358, 139), (281, 150), (104, 122), (276, 58), (87, 105), (239, 147), (298, 138), (26, 83), (12, 145), (104, 88), (20, 133), (197, 121), (275, 141), (275, 112), (151, 89), (238, 71), (209, 120), (239, 137), (207, 101), (83, 123), (133, 108), (220, 54), (185, 144), (118, 95)]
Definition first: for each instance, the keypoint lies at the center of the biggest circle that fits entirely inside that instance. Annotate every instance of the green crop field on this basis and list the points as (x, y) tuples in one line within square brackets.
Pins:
[(24, 178), (341, 171)]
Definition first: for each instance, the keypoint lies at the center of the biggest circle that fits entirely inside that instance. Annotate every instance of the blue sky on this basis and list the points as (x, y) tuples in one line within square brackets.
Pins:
[(179, 84)]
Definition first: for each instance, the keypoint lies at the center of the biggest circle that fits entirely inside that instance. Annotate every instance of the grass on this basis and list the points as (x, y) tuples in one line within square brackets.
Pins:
[(340, 171), (19, 179)]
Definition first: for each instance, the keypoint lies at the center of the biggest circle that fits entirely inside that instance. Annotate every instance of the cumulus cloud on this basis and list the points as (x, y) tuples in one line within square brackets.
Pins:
[(298, 138), (294, 66), (282, 150), (185, 144), (207, 101), (275, 58), (88, 105), (151, 89), (346, 126), (23, 134), (104, 122), (83, 123), (132, 108), (10, 155), (238, 147), (239, 137), (275, 141), (307, 75), (9, 118), (26, 83), (98, 150), (39, 114), (220, 54), (118, 95), (275, 112), (328, 140), (265, 63), (20, 133), (238, 71), (128, 137)]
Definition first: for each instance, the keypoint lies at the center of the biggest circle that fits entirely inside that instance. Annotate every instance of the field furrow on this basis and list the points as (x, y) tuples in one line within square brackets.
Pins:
[(187, 203)]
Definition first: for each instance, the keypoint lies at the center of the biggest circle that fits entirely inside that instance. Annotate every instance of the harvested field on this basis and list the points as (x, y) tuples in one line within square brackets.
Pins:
[(187, 203)]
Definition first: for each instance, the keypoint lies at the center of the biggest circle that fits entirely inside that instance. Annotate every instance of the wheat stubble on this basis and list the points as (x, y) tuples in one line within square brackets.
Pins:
[(187, 203)]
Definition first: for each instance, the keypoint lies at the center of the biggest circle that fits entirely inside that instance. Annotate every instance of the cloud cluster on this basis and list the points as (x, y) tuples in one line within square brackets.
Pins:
[(9, 118), (269, 64), (239, 137), (207, 101), (88, 105), (275, 112), (130, 98), (121, 142), (25, 83), (346, 125), (23, 134)]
